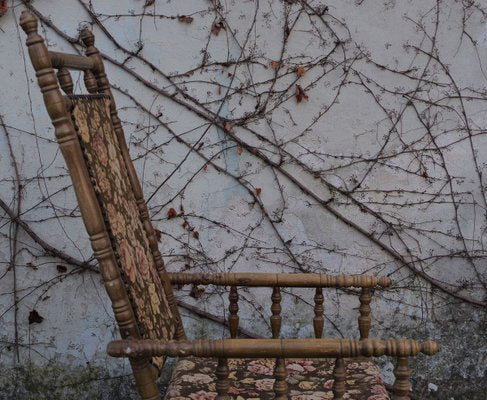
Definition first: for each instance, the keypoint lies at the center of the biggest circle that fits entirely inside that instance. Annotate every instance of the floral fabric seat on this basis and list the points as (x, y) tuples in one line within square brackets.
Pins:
[(308, 379)]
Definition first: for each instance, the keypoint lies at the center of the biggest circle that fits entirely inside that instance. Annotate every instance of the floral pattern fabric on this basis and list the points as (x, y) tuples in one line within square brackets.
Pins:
[(91, 115), (308, 379)]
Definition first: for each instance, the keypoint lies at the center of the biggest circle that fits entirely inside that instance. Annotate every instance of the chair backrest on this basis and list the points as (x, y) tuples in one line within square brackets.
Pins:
[(108, 191)]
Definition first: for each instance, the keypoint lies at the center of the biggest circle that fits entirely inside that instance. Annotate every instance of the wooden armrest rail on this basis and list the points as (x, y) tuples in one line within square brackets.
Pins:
[(279, 280), (271, 348)]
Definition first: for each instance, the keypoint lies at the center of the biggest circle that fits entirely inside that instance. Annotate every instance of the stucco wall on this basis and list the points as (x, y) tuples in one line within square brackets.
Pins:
[(378, 170)]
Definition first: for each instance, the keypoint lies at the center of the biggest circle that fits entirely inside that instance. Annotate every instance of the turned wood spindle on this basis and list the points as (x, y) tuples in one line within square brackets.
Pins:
[(280, 384), (339, 375), (90, 82), (401, 384), (65, 80), (364, 321), (233, 318), (276, 312), (222, 381), (318, 320)]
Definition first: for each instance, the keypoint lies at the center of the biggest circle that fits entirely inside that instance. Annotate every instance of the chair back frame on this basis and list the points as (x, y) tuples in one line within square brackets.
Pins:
[(57, 106)]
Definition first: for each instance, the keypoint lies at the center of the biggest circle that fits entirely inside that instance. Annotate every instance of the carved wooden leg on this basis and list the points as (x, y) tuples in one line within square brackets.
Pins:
[(280, 385), (145, 379), (222, 381), (339, 374), (401, 384)]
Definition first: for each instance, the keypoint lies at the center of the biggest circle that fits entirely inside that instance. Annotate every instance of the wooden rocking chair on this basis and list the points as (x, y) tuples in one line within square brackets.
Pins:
[(115, 215)]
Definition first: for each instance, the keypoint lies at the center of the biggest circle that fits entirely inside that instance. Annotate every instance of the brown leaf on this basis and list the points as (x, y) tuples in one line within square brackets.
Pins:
[(300, 71), (205, 168), (197, 291), (217, 27), (61, 269), (185, 18), (158, 235), (3, 7), (258, 191), (239, 150), (185, 224), (35, 318), (196, 235), (300, 94), (172, 213), (31, 265), (228, 127), (275, 64)]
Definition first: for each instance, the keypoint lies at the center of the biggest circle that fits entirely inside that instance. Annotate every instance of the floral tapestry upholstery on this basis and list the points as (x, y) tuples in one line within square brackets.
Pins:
[(91, 115), (308, 379)]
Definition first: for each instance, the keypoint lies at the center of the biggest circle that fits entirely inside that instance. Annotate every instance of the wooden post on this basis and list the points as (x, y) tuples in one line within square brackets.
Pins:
[(65, 80), (280, 384), (233, 318)]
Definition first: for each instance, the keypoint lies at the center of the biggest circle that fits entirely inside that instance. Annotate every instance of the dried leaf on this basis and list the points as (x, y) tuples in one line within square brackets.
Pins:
[(228, 127), (31, 265), (172, 213), (205, 168), (185, 224), (3, 7), (300, 71), (258, 191), (158, 235), (185, 18), (196, 235), (239, 150), (61, 269), (275, 64), (197, 291), (217, 27), (300, 94), (35, 318)]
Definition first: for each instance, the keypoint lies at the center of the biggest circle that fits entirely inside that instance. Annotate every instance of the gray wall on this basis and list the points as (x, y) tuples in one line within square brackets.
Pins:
[(378, 170)]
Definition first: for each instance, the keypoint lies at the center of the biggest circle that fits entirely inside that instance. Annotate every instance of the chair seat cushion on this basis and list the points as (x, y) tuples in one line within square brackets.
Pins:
[(308, 379)]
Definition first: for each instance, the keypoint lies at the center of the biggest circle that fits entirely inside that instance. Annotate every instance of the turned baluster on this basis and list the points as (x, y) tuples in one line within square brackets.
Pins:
[(233, 310), (280, 384), (222, 381), (401, 384), (339, 375), (318, 320), (364, 321), (65, 80), (90, 82)]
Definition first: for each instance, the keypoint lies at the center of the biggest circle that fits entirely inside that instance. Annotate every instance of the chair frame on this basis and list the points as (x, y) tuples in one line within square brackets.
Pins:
[(132, 345)]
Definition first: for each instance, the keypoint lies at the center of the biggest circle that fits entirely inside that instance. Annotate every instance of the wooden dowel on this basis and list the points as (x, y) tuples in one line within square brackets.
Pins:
[(233, 318), (318, 320), (339, 376), (364, 321), (274, 280), (272, 348)]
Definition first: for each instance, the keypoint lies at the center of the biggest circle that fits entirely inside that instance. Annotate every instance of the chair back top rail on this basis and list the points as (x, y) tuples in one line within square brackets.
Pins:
[(71, 61), (264, 279)]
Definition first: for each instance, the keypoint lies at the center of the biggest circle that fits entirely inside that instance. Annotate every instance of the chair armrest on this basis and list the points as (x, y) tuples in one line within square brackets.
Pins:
[(279, 280), (271, 348)]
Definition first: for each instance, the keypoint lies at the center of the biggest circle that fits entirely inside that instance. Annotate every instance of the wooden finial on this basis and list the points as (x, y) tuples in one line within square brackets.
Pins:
[(87, 37), (28, 22)]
